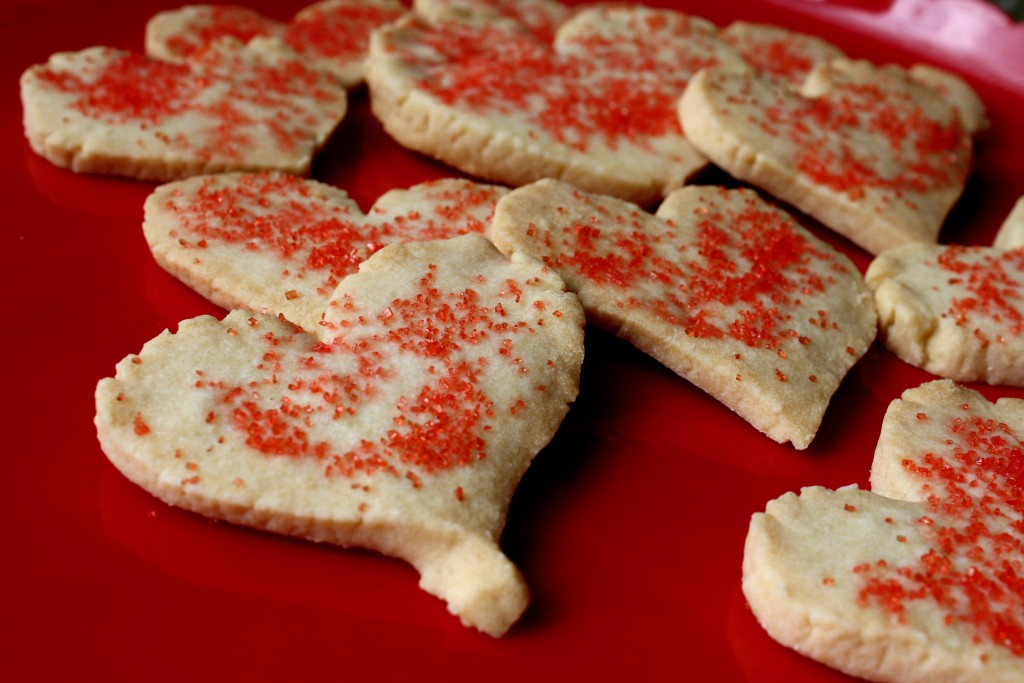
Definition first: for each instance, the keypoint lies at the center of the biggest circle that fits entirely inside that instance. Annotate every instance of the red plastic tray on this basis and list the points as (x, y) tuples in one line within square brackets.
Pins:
[(629, 527)]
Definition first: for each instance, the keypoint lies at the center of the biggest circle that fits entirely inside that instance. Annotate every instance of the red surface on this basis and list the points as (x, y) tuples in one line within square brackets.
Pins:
[(629, 527)]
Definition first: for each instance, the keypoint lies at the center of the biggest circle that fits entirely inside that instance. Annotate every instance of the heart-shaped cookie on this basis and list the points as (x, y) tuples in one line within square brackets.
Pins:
[(332, 35), (868, 151), (103, 110), (721, 287), (920, 579), (281, 244), (442, 370), (595, 108), (955, 311)]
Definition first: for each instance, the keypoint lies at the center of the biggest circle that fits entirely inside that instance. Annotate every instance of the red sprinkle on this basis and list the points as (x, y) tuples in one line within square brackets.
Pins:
[(337, 31), (789, 58), (284, 215), (229, 97), (930, 154), (747, 271), (139, 425), (440, 426), (991, 285)]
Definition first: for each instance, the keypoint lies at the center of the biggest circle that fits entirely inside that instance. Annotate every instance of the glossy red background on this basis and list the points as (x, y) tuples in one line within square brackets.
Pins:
[(629, 527)]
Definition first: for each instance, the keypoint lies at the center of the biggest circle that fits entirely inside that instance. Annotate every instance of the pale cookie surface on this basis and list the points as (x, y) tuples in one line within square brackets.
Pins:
[(791, 56), (955, 311), (1011, 232), (595, 108), (176, 35), (724, 289), (333, 35), (918, 580), (957, 92), (541, 17), (404, 429), (866, 150), (103, 110), (786, 55), (275, 243)]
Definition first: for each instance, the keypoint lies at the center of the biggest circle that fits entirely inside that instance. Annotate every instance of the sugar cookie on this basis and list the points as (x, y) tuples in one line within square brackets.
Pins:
[(917, 580), (103, 110), (333, 35), (595, 108), (955, 311), (721, 287), (866, 150), (276, 243), (404, 428)]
